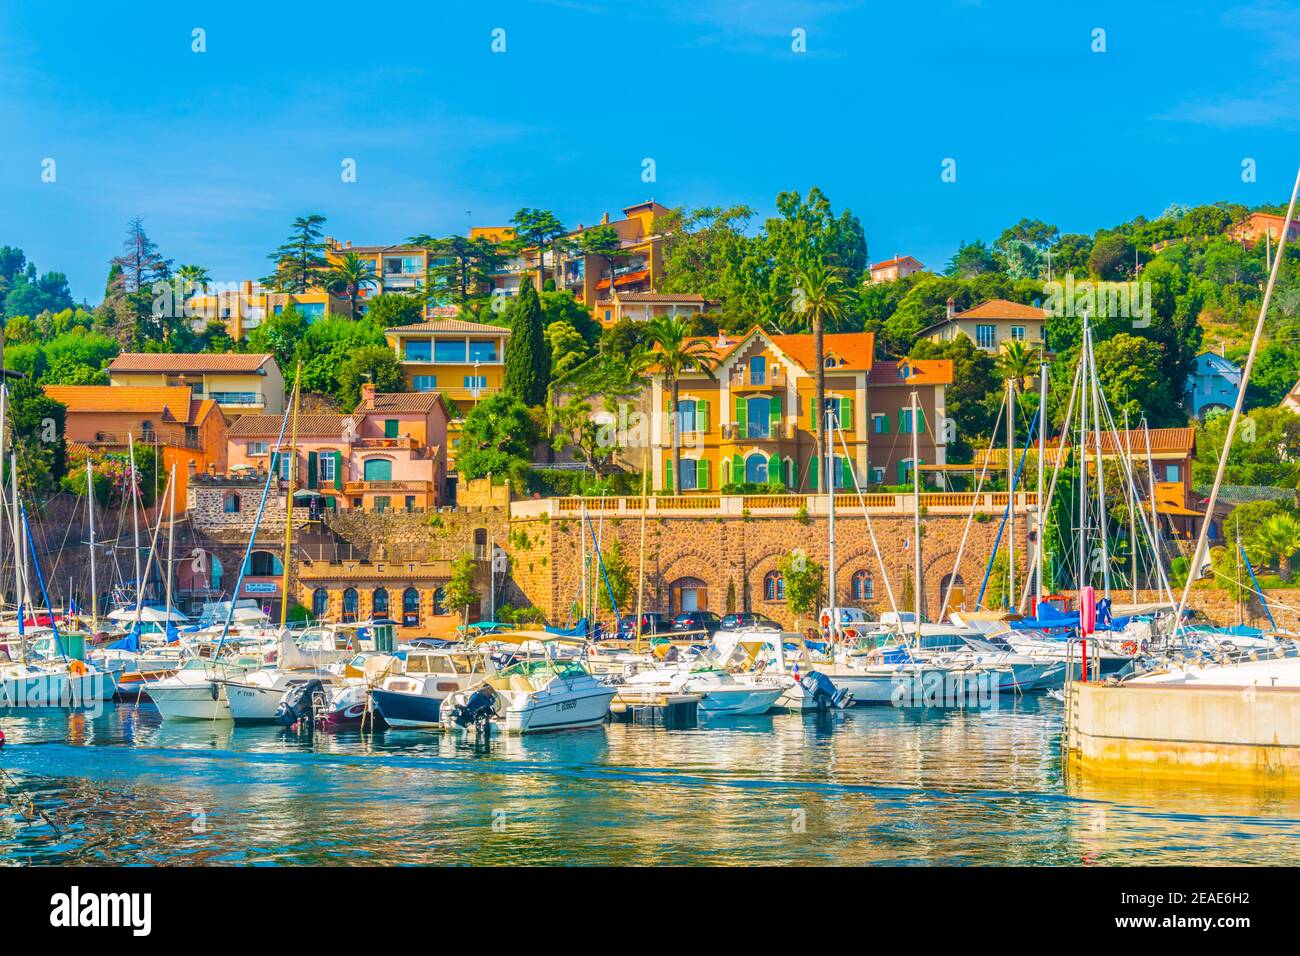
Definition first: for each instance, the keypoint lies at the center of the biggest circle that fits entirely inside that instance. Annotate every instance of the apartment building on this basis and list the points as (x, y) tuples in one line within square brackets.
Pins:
[(245, 307), (464, 361), (240, 383)]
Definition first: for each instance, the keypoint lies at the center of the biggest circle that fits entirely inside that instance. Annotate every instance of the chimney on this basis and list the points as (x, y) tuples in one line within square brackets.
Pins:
[(246, 287), (604, 219), (952, 307), (368, 395)]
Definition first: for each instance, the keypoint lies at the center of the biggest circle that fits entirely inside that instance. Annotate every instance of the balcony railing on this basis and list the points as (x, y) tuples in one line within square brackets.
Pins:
[(120, 439), (366, 487), (784, 431), (405, 443), (743, 381), (847, 504)]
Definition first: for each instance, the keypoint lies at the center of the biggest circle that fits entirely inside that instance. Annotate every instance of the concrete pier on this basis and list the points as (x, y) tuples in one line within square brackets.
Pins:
[(1221, 735)]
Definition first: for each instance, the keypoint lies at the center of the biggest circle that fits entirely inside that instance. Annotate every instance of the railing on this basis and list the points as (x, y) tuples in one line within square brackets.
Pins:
[(744, 381), (406, 442), (362, 487), (847, 504), (146, 438)]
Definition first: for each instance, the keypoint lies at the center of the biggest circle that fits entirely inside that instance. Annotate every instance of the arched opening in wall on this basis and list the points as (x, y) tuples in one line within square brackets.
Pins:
[(320, 603), (952, 592), (773, 586), (350, 606), (687, 594), (863, 586), (410, 608), (379, 602), (480, 544), (263, 564), (440, 601), (756, 469)]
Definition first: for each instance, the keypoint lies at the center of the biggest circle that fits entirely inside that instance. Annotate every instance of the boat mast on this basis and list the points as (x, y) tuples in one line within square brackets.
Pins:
[(1039, 513), (20, 556), (1131, 494), (288, 508), (640, 571), (1097, 408), (1083, 460), (916, 517), (4, 394), (90, 514), (1011, 489), (171, 534), (830, 523), (135, 520)]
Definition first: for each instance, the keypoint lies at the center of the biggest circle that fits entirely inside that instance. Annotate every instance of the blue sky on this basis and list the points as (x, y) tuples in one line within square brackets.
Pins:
[(218, 151)]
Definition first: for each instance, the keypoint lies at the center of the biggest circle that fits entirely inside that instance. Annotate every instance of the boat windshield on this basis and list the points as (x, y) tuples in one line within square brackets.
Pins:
[(560, 667)]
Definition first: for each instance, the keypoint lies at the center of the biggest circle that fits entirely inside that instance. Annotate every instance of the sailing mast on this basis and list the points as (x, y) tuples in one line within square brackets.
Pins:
[(1097, 408), (288, 508), (1083, 462), (135, 521), (1039, 513), (830, 525), (1011, 488), (171, 535), (1131, 494), (916, 519), (90, 514), (640, 571)]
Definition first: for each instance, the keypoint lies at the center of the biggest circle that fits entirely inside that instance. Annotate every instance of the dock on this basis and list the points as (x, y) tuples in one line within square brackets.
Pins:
[(672, 711)]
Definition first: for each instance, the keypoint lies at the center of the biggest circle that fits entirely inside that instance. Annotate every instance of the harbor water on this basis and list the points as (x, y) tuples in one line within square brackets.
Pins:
[(867, 785)]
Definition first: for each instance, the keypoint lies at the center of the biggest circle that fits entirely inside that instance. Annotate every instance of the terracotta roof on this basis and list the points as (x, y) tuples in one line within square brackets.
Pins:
[(913, 372), (1166, 440), (343, 249), (268, 426), (449, 325), (896, 261), (177, 363), (856, 349), (661, 297), (1002, 309), (404, 402), (169, 402)]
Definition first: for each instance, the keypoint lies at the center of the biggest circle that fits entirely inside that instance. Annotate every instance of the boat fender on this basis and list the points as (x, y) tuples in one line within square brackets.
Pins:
[(1129, 647)]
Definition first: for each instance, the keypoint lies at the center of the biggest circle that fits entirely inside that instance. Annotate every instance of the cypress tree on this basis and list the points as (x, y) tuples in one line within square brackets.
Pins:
[(528, 363)]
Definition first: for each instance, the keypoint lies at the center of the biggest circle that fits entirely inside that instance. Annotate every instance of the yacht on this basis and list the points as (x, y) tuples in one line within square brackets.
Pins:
[(415, 698), (196, 692), (722, 692)]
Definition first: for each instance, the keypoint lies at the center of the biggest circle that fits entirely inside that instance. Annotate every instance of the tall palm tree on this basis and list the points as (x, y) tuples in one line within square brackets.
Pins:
[(1276, 539), (193, 278), (350, 275), (818, 296), (1018, 363), (677, 351)]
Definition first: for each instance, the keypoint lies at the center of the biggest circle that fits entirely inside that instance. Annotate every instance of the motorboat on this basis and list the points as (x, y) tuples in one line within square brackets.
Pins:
[(722, 692), (784, 660), (195, 691), (415, 697)]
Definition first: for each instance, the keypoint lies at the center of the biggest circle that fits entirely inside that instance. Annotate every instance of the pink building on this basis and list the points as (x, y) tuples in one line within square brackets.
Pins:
[(899, 267), (390, 453)]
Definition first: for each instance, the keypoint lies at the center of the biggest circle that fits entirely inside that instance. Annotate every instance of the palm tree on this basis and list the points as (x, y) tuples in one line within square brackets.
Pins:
[(1018, 362), (677, 351), (192, 278), (350, 275), (1276, 539), (818, 296)]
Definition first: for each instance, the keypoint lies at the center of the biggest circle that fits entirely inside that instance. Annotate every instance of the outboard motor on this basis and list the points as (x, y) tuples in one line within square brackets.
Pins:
[(296, 704), (476, 711), (823, 691)]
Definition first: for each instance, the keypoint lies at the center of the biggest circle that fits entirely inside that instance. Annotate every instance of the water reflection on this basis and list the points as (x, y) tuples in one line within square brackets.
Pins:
[(869, 785)]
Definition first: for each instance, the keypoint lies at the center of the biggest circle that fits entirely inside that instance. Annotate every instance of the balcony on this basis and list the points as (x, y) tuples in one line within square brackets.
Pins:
[(120, 440), (742, 381), (784, 431), (405, 443)]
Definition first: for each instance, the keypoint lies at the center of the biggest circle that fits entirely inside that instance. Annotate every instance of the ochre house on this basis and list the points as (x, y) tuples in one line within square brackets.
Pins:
[(390, 453), (750, 420), (239, 383), (992, 324), (245, 307), (184, 431)]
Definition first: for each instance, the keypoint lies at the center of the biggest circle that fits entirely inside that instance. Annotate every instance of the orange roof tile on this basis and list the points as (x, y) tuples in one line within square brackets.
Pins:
[(896, 261), (911, 371), (448, 325), (170, 402), (1002, 309), (176, 363)]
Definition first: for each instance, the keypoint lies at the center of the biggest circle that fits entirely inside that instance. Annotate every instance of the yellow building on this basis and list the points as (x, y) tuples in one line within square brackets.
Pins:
[(240, 383), (992, 324), (242, 309), (751, 419), (400, 268), (465, 361)]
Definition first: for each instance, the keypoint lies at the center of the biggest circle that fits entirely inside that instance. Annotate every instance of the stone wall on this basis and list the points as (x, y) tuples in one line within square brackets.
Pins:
[(731, 557)]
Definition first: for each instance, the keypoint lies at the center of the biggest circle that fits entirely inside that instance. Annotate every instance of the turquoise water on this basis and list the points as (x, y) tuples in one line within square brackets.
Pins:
[(868, 785)]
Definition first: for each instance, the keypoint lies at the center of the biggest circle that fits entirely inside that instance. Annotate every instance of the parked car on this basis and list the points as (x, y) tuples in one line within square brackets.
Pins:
[(705, 621), (748, 620), (652, 622)]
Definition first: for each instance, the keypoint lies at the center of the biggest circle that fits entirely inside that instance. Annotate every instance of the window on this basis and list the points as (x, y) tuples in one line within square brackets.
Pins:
[(476, 381), (439, 601), (231, 504), (758, 412), (377, 469), (773, 586), (1017, 333), (410, 502), (425, 383), (986, 336), (325, 466), (410, 608), (350, 603), (234, 398), (878, 476), (263, 564), (379, 603), (843, 472), (864, 587), (686, 415), (257, 448), (403, 265), (758, 370), (383, 503), (449, 350), (419, 350), (482, 350), (880, 423), (312, 310), (391, 426), (1172, 473), (756, 469), (320, 603), (283, 461), (689, 467)]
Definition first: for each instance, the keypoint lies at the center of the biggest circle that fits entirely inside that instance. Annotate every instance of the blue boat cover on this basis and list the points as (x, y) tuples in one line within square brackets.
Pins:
[(129, 643), (578, 630)]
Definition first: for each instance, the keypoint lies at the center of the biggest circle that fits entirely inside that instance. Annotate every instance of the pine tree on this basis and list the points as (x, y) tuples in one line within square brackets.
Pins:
[(528, 361)]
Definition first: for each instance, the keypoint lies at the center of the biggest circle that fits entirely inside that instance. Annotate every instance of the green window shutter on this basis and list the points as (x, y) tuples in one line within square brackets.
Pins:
[(668, 476), (742, 418), (338, 470), (812, 474), (846, 473), (773, 468), (701, 416), (902, 472), (774, 411), (920, 421), (390, 427), (702, 474), (311, 469), (275, 463), (737, 468), (846, 414)]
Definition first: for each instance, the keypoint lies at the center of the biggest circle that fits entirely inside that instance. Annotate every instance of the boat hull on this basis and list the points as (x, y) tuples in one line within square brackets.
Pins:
[(566, 713), (190, 702), (402, 709), (739, 702)]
